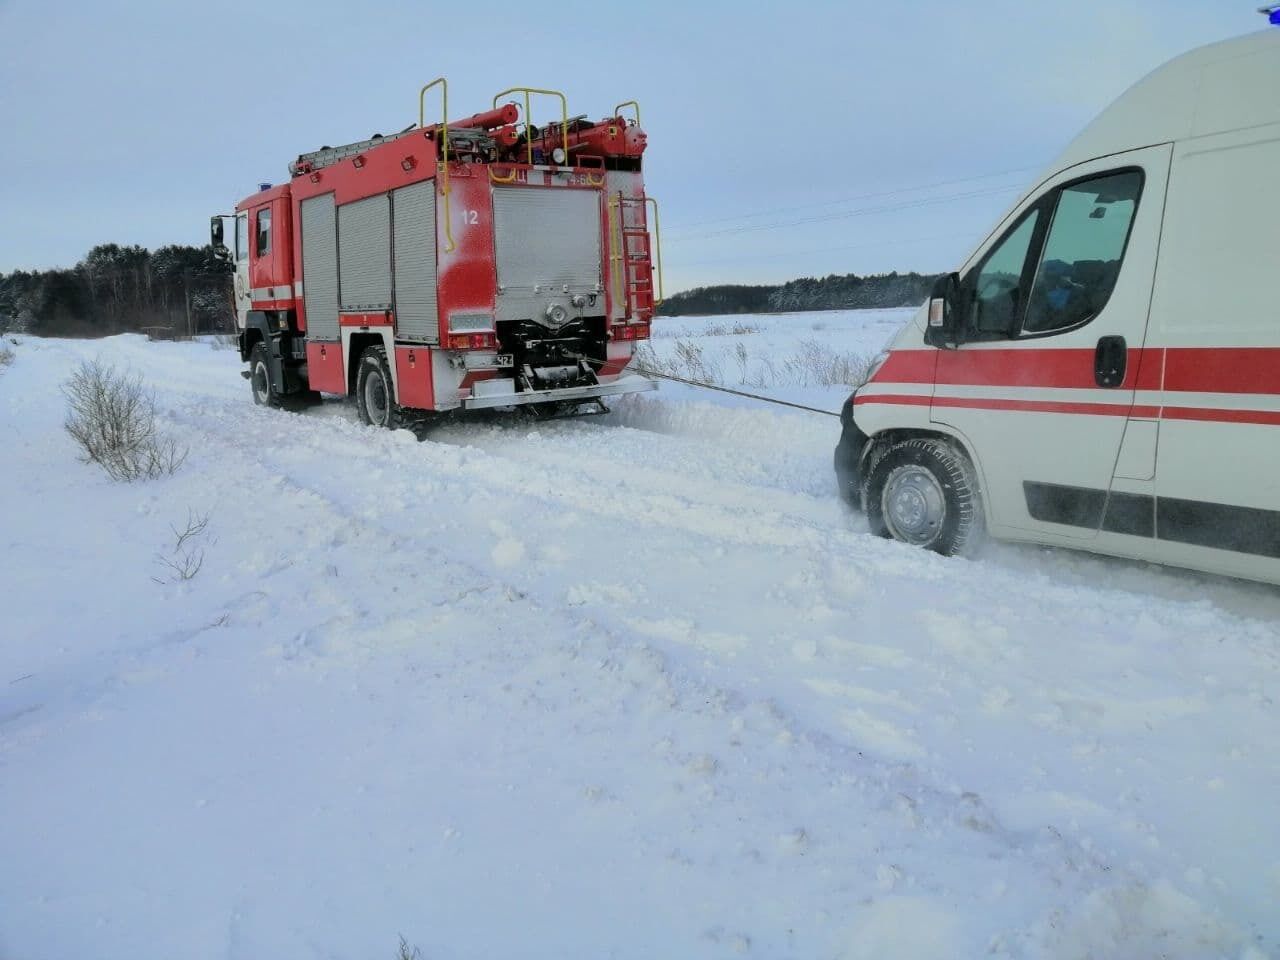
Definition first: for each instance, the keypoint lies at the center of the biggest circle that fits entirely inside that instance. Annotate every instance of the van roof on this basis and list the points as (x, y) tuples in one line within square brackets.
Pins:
[(1223, 86)]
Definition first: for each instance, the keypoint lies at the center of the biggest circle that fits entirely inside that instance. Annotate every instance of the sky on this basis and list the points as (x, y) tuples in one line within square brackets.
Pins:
[(785, 139)]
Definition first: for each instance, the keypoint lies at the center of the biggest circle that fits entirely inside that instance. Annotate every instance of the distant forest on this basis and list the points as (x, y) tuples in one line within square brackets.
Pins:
[(176, 290), (808, 293), (179, 290)]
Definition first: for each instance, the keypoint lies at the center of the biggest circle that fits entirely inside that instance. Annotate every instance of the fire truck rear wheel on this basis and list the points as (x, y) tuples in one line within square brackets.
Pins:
[(922, 492), (265, 393), (375, 395)]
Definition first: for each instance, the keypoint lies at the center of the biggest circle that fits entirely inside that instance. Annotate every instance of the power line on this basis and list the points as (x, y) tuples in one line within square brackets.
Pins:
[(777, 255), (897, 191), (848, 214)]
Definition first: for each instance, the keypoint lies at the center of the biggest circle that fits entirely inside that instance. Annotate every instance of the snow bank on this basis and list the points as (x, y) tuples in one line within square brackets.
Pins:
[(628, 686)]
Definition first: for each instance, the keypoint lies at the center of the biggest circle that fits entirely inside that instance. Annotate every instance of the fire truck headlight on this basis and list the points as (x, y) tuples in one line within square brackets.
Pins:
[(558, 156)]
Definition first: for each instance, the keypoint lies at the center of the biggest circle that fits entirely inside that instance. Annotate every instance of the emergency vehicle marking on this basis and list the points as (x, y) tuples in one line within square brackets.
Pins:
[(1220, 374)]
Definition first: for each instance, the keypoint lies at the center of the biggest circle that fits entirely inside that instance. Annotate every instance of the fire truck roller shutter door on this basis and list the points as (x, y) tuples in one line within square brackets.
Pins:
[(414, 219), (320, 267), (546, 238), (364, 254)]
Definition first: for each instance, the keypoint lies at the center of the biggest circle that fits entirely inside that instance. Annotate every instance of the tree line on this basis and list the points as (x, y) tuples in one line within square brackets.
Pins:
[(187, 290), (175, 290), (833, 292)]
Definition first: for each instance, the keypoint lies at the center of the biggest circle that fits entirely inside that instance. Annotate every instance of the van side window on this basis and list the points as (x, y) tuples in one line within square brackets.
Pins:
[(264, 231), (1082, 252), (998, 289), (242, 237)]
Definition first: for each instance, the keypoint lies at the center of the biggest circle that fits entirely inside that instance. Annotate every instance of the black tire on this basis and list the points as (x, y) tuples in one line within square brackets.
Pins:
[(266, 393), (922, 491), (375, 392)]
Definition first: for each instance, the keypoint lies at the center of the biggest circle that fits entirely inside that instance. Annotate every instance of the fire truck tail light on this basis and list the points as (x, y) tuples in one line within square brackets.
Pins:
[(472, 341), (631, 331)]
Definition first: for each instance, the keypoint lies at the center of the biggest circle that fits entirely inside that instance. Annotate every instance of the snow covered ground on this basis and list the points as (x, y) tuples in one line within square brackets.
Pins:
[(631, 686)]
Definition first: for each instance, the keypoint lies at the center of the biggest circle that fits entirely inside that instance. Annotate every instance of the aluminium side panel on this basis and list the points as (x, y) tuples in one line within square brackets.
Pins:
[(546, 244), (414, 227), (364, 254), (320, 267)]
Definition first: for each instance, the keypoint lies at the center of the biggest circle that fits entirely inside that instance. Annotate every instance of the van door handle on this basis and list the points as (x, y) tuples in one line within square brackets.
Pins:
[(1109, 361)]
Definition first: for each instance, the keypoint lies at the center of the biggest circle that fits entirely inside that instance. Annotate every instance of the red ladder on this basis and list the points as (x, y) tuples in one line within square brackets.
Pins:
[(635, 253)]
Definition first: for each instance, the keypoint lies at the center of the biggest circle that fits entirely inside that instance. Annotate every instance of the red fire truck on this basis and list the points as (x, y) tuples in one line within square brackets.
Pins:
[(482, 262)]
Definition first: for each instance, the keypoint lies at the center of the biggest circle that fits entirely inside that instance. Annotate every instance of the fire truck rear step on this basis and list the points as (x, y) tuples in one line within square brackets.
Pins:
[(633, 384)]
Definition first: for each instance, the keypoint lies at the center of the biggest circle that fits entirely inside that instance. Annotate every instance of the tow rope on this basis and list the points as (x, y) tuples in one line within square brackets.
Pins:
[(708, 386)]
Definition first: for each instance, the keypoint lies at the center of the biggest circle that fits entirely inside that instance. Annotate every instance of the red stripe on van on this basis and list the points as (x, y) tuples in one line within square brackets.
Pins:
[(1141, 411), (1069, 368), (1250, 370), (1048, 406), (1222, 370), (1267, 417), (908, 366), (1024, 406), (1037, 367), (894, 398)]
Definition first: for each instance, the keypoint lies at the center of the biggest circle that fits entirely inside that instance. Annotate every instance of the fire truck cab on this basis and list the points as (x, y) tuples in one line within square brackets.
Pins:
[(480, 262), (1103, 372)]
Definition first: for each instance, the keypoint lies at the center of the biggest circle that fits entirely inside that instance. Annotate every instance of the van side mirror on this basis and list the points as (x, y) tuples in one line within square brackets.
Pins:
[(944, 312)]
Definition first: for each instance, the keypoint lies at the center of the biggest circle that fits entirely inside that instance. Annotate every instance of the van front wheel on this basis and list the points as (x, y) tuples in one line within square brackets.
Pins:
[(921, 491)]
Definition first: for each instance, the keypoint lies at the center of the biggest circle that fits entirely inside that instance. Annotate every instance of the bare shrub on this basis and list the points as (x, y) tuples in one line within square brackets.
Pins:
[(814, 364), (737, 329), (186, 556), (688, 363), (817, 365), (6, 356), (112, 417), (407, 952), (740, 355)]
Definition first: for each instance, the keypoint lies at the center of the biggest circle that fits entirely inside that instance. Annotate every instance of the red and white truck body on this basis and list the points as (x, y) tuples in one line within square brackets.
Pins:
[(1104, 369), (487, 262)]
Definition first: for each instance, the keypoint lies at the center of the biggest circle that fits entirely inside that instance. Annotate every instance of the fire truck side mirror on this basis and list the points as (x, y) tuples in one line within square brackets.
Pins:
[(215, 232), (943, 311)]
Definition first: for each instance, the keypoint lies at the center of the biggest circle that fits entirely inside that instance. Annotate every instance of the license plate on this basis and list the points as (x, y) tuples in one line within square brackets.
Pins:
[(506, 360)]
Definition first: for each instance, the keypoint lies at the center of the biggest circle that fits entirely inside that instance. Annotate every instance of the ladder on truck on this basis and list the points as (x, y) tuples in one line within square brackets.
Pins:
[(634, 254), (328, 156)]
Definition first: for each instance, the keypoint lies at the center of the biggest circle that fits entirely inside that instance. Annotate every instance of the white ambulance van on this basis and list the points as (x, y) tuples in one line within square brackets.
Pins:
[(1104, 370)]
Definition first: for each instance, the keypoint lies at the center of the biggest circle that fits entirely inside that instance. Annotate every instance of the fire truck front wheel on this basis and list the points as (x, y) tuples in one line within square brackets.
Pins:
[(375, 395), (265, 393), (921, 491)]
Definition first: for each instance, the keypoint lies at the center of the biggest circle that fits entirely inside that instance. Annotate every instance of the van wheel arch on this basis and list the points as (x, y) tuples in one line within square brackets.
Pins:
[(881, 442), (946, 445)]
